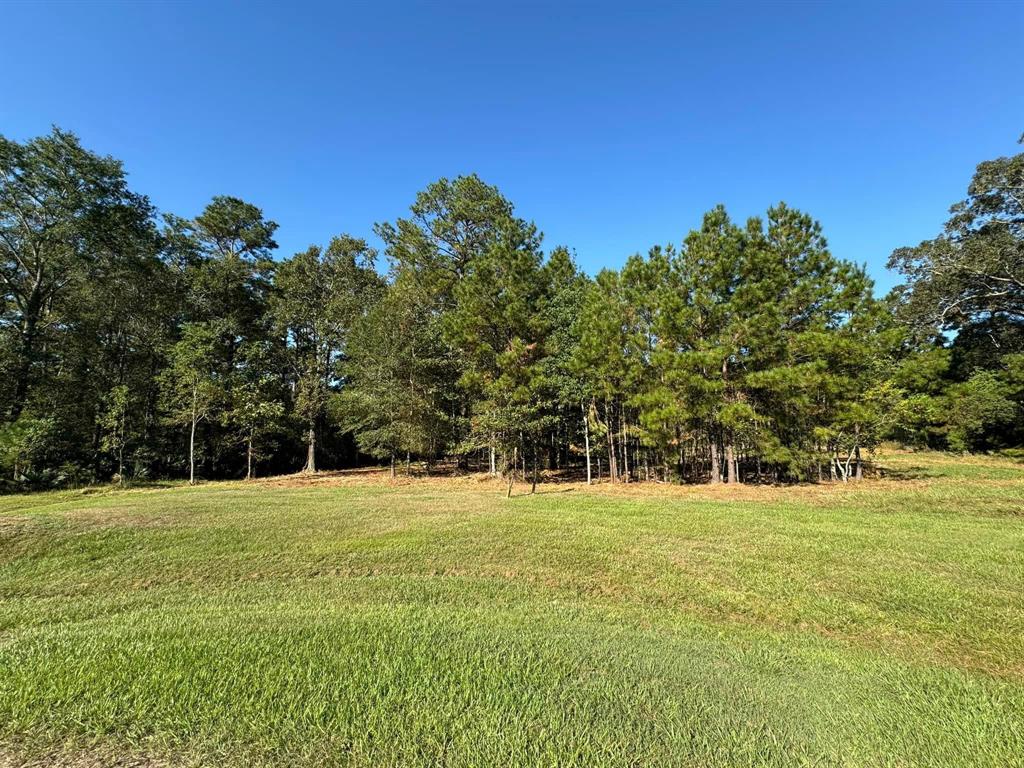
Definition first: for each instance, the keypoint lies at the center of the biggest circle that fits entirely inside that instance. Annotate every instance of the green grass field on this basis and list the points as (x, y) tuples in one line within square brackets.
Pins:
[(350, 620)]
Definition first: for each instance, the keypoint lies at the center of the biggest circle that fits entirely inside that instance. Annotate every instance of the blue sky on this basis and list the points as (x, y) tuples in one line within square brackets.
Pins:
[(613, 126)]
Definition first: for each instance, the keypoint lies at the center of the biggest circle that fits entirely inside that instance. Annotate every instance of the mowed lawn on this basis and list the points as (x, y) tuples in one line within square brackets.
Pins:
[(351, 620)]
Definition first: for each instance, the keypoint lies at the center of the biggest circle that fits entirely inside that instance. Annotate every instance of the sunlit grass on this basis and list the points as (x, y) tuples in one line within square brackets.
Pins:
[(355, 621)]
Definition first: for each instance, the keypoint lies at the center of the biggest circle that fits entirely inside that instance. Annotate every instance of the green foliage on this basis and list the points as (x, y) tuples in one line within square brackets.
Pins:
[(86, 301), (479, 270), (321, 295), (113, 422), (24, 448), (975, 269), (258, 404), (193, 383), (745, 352), (976, 408), (970, 280), (739, 348), (396, 400)]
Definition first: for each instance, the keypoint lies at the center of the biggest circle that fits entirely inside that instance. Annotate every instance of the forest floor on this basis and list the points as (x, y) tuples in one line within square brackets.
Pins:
[(348, 619)]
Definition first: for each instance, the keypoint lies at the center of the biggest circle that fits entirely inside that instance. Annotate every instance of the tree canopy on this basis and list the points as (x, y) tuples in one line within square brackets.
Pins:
[(135, 345)]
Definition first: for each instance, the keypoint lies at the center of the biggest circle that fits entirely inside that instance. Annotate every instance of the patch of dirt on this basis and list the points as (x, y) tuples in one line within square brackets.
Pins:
[(359, 476), (119, 517), (11, 525), (85, 519), (552, 482)]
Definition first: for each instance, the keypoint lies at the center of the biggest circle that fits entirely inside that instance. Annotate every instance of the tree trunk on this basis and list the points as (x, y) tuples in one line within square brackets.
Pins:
[(192, 454), (512, 473), (536, 451), (122, 444), (856, 450), (613, 469), (192, 436), (392, 465), (624, 425), (716, 469), (730, 463), (248, 459), (493, 469), (586, 438), (846, 467), (310, 450), (728, 450)]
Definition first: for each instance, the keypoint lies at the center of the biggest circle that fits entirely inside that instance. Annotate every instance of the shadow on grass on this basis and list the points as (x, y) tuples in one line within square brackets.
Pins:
[(903, 473), (141, 485), (541, 491), (549, 480)]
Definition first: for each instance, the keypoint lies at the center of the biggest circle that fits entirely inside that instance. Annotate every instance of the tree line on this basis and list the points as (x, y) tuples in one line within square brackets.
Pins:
[(136, 345)]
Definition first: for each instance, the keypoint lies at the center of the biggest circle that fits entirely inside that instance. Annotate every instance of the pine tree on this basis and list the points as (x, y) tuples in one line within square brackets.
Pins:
[(224, 258), (321, 294), (396, 398)]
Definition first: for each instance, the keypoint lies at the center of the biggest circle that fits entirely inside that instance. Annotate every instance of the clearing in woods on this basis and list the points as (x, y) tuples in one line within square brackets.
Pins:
[(352, 620)]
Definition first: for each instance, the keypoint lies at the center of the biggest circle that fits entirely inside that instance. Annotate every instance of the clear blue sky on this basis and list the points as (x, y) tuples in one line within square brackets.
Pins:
[(613, 126)]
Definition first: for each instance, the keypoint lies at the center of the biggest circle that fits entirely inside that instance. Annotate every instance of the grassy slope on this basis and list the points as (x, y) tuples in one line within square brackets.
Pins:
[(369, 623)]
